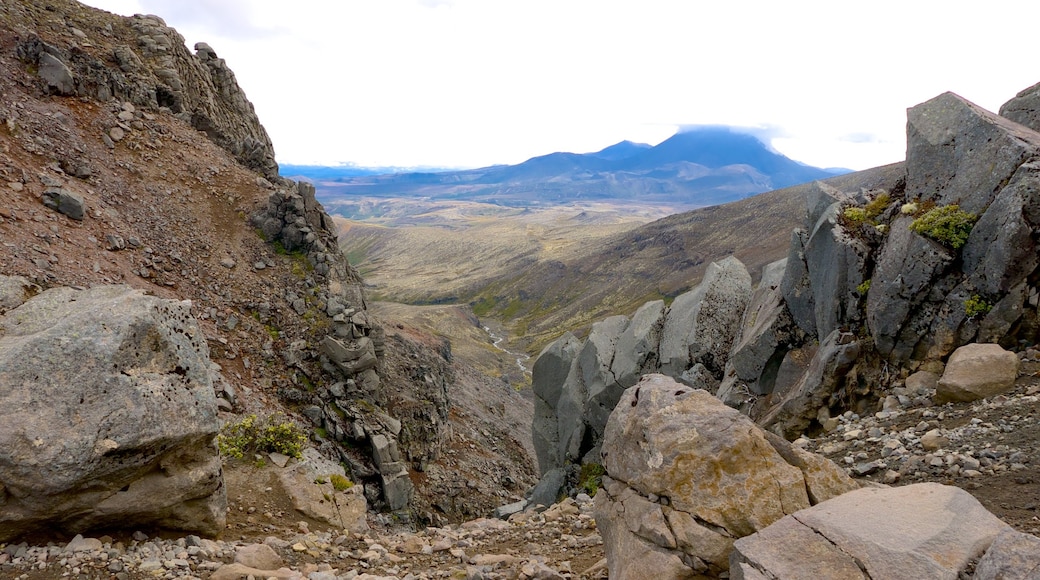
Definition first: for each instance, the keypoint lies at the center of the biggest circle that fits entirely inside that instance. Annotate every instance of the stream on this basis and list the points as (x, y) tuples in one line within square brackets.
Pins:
[(520, 357)]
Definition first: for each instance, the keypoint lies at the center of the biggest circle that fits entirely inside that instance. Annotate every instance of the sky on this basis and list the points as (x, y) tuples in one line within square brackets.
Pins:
[(471, 83)]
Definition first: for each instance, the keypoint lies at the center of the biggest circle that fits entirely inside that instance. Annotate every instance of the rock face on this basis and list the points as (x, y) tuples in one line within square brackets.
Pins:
[(925, 530), (870, 292), (107, 415), (687, 475), (977, 371)]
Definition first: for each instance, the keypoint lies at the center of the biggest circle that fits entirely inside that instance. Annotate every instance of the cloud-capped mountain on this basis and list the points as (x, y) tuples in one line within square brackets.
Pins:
[(698, 167)]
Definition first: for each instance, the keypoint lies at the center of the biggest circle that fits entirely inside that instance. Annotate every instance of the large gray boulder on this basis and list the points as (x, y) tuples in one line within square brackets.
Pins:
[(836, 264), (636, 349), (958, 152), (1012, 556), (593, 371), (548, 375), (701, 324), (687, 474), (107, 415), (925, 530)]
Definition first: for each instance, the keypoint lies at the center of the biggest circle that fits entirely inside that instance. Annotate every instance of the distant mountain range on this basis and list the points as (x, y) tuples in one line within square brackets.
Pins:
[(699, 167)]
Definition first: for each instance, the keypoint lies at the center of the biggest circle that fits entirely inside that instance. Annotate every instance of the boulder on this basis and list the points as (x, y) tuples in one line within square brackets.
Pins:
[(702, 324), (686, 475), (660, 425), (924, 530), (958, 152), (836, 263), (14, 291), (107, 415), (317, 498), (1024, 108), (593, 368), (766, 333), (56, 74), (64, 201), (548, 375), (1012, 556), (636, 350), (259, 556), (976, 371)]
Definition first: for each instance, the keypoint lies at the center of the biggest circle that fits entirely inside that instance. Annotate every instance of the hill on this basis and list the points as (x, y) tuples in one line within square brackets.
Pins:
[(694, 168), (543, 275)]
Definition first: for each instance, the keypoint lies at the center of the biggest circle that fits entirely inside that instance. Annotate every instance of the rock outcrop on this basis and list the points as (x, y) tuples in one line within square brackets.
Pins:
[(159, 71), (133, 443), (977, 371), (880, 283)]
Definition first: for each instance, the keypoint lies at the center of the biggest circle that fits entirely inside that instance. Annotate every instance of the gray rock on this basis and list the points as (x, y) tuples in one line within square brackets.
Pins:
[(1024, 108), (701, 324), (14, 291), (109, 415), (549, 488), (908, 267), (925, 530), (548, 375), (503, 512), (636, 350), (65, 202), (594, 362), (1012, 556), (56, 74), (793, 409), (957, 152), (836, 263), (796, 287)]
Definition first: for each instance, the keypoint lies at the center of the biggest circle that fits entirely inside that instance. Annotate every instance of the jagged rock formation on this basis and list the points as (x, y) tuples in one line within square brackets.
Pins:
[(878, 284), (578, 384), (133, 443), (158, 71)]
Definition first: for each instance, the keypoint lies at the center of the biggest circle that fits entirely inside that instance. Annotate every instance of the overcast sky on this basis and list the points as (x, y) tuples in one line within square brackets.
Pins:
[(469, 83)]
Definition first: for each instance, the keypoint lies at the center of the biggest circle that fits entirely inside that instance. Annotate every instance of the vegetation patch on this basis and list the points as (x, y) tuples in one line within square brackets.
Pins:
[(853, 217), (270, 434), (946, 224), (976, 306), (340, 483), (591, 478), (863, 288)]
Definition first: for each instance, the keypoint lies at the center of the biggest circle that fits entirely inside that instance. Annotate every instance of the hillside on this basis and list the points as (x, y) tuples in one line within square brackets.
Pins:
[(694, 168), (127, 159), (542, 280)]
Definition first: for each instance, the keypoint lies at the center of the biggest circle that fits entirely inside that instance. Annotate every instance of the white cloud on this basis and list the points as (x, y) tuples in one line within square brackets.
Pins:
[(476, 82)]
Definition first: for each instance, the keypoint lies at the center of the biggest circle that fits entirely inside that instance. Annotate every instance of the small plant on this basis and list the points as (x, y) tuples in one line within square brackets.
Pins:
[(855, 215), (877, 205), (976, 306), (863, 288), (261, 435), (340, 483), (909, 208), (946, 224), (591, 477)]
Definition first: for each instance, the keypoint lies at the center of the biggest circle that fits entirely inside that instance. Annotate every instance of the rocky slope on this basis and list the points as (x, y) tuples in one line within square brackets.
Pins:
[(125, 158)]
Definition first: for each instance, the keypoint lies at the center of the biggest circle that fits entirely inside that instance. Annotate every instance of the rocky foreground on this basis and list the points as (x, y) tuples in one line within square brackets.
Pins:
[(561, 542)]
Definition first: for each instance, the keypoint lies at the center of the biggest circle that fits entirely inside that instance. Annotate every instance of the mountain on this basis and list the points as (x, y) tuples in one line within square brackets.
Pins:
[(695, 168)]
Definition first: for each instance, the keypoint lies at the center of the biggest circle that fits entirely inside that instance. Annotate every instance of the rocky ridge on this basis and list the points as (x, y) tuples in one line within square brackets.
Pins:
[(127, 159)]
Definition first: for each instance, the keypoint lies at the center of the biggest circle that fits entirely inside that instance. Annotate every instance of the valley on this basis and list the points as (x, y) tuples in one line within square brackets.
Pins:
[(669, 361)]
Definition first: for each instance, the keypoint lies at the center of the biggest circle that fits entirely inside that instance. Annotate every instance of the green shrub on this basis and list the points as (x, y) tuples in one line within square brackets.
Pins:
[(909, 208), (855, 215), (946, 224), (877, 205), (261, 435), (976, 306), (591, 477), (340, 483), (863, 288)]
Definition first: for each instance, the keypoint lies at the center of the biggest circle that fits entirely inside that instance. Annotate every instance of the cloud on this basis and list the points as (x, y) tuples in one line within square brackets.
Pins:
[(227, 18)]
